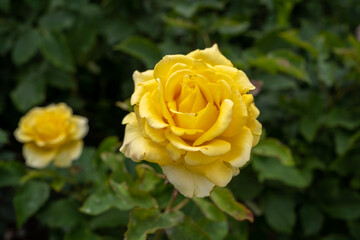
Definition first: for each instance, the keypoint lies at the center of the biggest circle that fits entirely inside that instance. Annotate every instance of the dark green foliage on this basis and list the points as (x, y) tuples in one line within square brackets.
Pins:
[(304, 57)]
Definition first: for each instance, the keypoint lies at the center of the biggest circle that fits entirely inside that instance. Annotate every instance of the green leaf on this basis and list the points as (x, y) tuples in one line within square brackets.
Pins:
[(116, 162), (133, 196), (292, 36), (341, 117), (5, 5), (311, 219), (309, 126), (189, 8), (109, 144), (226, 202), (147, 178), (272, 169), (62, 213), (209, 210), (82, 38), (109, 219), (55, 49), (26, 46), (28, 200), (11, 173), (283, 61), (146, 221), (116, 30), (30, 91), (271, 147), (187, 230), (216, 230), (215, 223), (279, 212), (3, 138), (81, 233), (102, 200), (354, 229), (56, 21), (344, 205), (231, 27), (89, 171), (59, 79), (141, 48), (246, 185), (344, 141)]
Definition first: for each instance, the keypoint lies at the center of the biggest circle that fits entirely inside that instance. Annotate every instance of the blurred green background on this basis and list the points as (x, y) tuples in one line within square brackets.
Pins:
[(304, 57)]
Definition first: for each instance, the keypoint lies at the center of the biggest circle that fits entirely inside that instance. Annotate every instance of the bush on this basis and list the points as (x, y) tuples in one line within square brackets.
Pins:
[(304, 178)]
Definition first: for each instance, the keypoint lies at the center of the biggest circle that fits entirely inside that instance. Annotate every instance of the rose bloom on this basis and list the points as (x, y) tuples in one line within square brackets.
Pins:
[(51, 133), (194, 117)]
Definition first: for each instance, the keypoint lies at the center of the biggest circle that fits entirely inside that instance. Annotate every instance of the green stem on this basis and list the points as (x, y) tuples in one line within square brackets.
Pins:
[(181, 204), (172, 200)]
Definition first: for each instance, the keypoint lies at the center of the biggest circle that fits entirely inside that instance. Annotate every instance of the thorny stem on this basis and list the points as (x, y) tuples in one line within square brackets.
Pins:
[(181, 204), (172, 200)]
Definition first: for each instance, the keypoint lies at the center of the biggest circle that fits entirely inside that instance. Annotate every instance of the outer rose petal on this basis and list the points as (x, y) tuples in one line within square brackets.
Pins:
[(240, 148), (22, 136), (211, 55), (141, 89), (37, 157), (80, 128), (188, 183), (140, 77), (138, 148), (217, 172), (68, 153)]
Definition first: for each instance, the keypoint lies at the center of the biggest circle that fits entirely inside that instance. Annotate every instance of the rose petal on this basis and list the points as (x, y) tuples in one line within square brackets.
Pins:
[(256, 129), (221, 124), (174, 152), (141, 77), (215, 147), (217, 172), (186, 182), (148, 109), (211, 55), (141, 89), (242, 82), (240, 148), (22, 136), (173, 84), (157, 135), (68, 153), (80, 128), (198, 158), (203, 119), (37, 157), (136, 147), (162, 69), (239, 116)]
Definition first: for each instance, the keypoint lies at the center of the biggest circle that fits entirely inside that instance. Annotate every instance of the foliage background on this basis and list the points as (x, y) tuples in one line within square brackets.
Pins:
[(304, 56)]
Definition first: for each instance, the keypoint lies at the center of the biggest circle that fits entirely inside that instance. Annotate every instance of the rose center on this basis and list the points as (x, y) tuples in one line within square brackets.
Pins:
[(191, 99), (50, 125)]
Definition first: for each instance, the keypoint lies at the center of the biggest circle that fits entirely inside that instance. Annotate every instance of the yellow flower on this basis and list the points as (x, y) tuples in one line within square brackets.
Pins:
[(51, 133), (194, 118)]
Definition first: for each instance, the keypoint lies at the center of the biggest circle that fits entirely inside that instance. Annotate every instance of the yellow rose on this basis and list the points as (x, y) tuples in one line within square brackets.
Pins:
[(51, 133), (194, 118)]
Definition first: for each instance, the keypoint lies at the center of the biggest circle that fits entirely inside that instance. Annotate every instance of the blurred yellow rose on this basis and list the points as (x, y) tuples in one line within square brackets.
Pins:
[(51, 133), (194, 117)]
